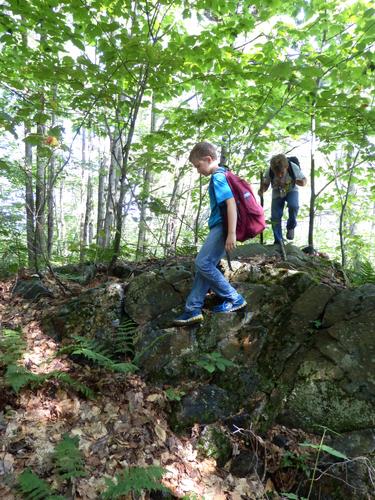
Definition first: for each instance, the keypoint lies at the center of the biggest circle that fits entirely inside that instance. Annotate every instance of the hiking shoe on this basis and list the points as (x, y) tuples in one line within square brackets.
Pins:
[(188, 318), (228, 307), (290, 234)]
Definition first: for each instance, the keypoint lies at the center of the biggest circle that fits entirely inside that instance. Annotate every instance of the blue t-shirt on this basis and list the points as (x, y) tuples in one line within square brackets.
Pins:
[(219, 192)]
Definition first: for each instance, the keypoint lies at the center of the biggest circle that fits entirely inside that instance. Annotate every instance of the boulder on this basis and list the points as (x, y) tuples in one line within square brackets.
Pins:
[(153, 293), (31, 289), (96, 314), (204, 405)]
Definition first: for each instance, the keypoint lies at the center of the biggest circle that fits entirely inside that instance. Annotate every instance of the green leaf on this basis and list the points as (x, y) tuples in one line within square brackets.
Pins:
[(136, 480), (34, 139), (325, 448)]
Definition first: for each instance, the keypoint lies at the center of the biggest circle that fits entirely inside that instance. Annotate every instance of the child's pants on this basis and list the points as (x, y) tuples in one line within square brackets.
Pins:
[(277, 209), (207, 274)]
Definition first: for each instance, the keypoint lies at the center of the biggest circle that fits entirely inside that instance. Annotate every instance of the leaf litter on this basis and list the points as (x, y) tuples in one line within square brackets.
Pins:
[(125, 425)]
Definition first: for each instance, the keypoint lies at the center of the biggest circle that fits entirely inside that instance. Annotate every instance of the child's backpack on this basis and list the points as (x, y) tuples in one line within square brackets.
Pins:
[(291, 159), (250, 214)]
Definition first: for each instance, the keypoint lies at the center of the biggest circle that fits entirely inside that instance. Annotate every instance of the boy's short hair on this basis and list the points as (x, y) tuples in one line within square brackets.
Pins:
[(202, 149), (279, 163)]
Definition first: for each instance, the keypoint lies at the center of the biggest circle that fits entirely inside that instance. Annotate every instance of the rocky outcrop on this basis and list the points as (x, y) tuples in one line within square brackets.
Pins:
[(96, 314), (302, 354)]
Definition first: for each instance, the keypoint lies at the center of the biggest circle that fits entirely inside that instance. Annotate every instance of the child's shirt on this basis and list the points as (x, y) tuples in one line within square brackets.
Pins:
[(284, 185), (219, 192)]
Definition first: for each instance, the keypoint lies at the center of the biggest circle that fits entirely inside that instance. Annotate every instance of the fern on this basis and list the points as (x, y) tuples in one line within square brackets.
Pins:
[(12, 346), (34, 488), (362, 272), (136, 480), (70, 382), (124, 338), (96, 352), (68, 458), (18, 377)]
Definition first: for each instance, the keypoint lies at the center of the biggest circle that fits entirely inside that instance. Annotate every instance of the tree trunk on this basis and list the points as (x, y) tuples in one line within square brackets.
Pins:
[(110, 202), (312, 180), (147, 181), (61, 223), (29, 199), (170, 239), (50, 195), (342, 221), (82, 242), (87, 219), (40, 191), (124, 166), (101, 200)]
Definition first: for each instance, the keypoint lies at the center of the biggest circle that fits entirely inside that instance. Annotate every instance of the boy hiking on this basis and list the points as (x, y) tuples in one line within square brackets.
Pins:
[(204, 158), (284, 176)]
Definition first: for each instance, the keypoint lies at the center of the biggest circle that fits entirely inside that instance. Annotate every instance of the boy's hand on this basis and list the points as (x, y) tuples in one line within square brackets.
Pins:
[(230, 243)]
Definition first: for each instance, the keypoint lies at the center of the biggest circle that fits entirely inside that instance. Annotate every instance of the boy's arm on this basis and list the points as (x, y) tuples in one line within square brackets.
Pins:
[(301, 182), (299, 175), (263, 187), (230, 243)]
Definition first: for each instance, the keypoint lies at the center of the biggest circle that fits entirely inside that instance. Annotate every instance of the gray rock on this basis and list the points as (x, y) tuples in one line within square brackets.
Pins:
[(355, 443), (349, 303), (215, 443), (255, 249), (31, 289), (244, 464), (95, 314), (153, 293), (205, 405)]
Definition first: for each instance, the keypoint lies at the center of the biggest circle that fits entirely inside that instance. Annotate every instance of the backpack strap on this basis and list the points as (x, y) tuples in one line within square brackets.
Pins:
[(291, 171), (223, 212)]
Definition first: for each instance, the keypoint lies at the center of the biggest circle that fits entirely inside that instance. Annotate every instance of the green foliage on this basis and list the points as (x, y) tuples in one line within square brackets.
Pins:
[(135, 480), (18, 377), (214, 361), (12, 346), (299, 462), (122, 343), (34, 488), (98, 352), (174, 394), (293, 496), (68, 458), (326, 448), (361, 272)]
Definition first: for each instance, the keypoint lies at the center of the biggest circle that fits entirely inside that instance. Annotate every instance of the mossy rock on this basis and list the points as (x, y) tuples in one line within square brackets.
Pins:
[(215, 443)]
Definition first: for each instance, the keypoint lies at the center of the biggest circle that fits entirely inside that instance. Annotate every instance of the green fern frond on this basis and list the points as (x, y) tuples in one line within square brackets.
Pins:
[(97, 352), (17, 377), (363, 273), (104, 361), (12, 346), (68, 458), (70, 382), (34, 488), (123, 342), (136, 480)]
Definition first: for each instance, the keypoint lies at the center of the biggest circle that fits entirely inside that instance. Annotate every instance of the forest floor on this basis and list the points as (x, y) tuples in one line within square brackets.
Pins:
[(124, 425)]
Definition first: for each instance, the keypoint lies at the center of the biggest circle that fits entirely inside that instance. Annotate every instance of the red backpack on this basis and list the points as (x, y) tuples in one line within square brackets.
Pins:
[(250, 214)]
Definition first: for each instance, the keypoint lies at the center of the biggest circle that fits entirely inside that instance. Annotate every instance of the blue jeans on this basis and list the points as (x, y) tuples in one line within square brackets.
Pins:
[(277, 209), (207, 275)]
